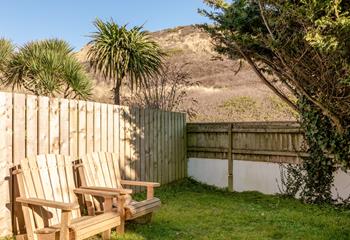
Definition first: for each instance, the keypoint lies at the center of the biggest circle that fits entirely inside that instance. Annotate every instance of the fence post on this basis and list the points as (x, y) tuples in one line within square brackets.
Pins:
[(229, 159)]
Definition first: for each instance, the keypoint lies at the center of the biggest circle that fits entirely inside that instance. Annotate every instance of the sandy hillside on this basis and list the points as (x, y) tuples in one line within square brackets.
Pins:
[(221, 94)]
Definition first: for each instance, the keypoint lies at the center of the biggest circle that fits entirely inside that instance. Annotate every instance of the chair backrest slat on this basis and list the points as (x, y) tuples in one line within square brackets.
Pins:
[(102, 169), (49, 177)]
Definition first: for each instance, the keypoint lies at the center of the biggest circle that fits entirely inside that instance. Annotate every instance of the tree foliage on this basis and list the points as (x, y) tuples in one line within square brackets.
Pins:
[(47, 67), (118, 53), (300, 47), (6, 53), (303, 44)]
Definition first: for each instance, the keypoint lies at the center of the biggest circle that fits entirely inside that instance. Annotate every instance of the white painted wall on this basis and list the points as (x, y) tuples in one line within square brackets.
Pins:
[(210, 171), (252, 176)]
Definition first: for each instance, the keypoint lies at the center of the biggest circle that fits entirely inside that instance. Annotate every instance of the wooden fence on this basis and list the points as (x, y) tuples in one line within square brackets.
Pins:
[(253, 141), (150, 143), (279, 142)]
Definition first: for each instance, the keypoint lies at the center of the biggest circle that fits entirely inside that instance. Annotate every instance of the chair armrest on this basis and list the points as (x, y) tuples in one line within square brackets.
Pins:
[(140, 183), (48, 203), (121, 191), (95, 192)]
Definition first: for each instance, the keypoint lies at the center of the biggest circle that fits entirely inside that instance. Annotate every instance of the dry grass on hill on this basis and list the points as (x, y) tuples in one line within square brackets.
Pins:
[(221, 94)]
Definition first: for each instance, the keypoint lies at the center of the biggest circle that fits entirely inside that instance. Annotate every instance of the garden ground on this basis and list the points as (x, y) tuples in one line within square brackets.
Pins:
[(194, 211)]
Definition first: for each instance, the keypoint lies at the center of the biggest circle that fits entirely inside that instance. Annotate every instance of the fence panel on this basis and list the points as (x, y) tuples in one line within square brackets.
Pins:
[(31, 125), (255, 141)]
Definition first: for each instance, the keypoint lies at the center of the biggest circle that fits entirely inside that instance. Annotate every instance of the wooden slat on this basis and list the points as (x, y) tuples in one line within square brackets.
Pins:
[(127, 142), (122, 141), (89, 127), (30, 191), (54, 180), (170, 147), (111, 170), (137, 159), (19, 140), (45, 182), (166, 146), (142, 146), (110, 127), (184, 148), (73, 128), (177, 147), (97, 127), (64, 127), (19, 148), (147, 145), (38, 187), (104, 127), (67, 162), (54, 129), (81, 128), (151, 146), (5, 162), (158, 145), (102, 169), (133, 151), (31, 126), (116, 131)]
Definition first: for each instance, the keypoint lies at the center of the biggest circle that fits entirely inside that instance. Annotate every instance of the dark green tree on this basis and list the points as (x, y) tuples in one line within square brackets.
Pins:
[(301, 50)]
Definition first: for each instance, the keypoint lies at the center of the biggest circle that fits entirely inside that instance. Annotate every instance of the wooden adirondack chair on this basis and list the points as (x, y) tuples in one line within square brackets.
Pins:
[(102, 170), (50, 205)]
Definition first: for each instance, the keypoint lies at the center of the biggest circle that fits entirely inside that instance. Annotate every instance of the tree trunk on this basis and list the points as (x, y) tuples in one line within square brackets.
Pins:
[(116, 90)]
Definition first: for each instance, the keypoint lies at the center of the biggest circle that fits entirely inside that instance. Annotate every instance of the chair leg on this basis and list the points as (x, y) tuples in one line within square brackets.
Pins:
[(106, 235), (107, 208), (65, 222), (121, 210), (145, 219)]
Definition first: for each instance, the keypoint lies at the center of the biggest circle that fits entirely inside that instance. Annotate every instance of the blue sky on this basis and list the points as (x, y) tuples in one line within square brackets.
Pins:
[(25, 20)]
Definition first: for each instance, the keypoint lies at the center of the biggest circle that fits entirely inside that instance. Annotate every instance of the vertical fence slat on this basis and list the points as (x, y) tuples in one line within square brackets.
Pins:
[(110, 127), (5, 163), (64, 127), (151, 145), (89, 127), (31, 125), (177, 144), (137, 159), (43, 131), (184, 142), (116, 133), (104, 127), (82, 128), (97, 127), (158, 146), (142, 147), (167, 146), (162, 145), (19, 141), (54, 130), (122, 141), (73, 128)]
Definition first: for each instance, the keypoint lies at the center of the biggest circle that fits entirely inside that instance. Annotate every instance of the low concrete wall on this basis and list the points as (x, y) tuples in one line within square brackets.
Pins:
[(263, 177)]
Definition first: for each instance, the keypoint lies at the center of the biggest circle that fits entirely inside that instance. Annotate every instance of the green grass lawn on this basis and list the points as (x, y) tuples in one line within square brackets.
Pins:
[(194, 211)]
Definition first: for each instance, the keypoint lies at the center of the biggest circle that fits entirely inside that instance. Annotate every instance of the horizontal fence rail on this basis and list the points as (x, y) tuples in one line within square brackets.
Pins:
[(280, 142), (150, 143)]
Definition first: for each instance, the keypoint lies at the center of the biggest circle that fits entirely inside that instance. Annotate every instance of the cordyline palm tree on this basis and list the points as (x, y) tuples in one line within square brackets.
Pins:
[(6, 53), (119, 53), (49, 68)]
